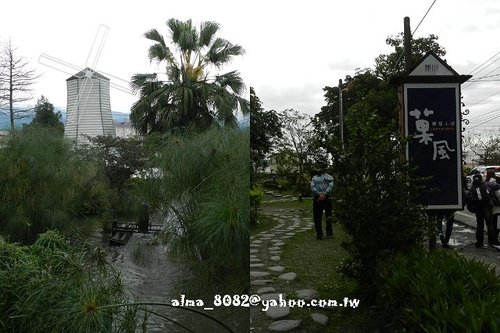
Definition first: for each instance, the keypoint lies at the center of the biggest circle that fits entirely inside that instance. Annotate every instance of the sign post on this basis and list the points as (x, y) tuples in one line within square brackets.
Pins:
[(432, 120)]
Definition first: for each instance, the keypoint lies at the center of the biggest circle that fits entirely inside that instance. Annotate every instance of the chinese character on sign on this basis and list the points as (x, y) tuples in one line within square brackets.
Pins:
[(422, 125), (441, 150)]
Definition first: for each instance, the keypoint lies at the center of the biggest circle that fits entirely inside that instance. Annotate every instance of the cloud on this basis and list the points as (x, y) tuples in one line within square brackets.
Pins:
[(305, 98), (344, 65)]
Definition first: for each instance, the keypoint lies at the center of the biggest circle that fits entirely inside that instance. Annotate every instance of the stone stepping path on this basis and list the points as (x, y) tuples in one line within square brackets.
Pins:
[(266, 272), (284, 325), (288, 276), (277, 312)]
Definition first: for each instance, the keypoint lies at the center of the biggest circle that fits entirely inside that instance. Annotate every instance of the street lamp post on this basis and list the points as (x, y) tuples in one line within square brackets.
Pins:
[(341, 114)]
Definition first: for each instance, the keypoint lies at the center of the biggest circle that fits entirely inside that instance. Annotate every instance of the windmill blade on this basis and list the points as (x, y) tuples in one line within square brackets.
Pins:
[(78, 102), (76, 110), (70, 69), (123, 86), (95, 51), (58, 64)]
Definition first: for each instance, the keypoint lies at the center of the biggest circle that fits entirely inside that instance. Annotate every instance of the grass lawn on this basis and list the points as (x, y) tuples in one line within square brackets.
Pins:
[(315, 263)]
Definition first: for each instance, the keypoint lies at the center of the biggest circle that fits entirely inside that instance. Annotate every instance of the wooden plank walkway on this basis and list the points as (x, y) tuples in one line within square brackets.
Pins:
[(121, 232)]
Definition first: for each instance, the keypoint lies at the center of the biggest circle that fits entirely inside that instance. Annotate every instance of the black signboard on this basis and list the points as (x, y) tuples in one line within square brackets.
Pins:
[(432, 120)]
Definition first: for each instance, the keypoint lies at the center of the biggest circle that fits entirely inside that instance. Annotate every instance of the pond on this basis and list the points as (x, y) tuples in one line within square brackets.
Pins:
[(150, 275)]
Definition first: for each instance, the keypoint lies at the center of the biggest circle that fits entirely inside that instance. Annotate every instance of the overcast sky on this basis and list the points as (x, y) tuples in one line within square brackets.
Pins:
[(293, 48)]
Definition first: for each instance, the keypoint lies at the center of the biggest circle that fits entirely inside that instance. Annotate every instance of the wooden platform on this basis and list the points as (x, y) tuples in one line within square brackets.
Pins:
[(121, 232)]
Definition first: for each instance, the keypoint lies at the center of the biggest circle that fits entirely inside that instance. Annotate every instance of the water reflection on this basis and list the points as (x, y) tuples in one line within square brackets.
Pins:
[(151, 276)]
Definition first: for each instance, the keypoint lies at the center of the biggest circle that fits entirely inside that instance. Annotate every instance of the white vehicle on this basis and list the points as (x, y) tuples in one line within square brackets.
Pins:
[(481, 169)]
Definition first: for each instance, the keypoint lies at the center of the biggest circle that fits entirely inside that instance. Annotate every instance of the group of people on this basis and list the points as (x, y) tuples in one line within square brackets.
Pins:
[(483, 199), (480, 200)]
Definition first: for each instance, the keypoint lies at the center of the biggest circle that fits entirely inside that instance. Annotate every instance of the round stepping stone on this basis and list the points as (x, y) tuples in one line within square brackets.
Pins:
[(273, 296), (278, 269), (256, 265), (258, 274), (260, 282), (276, 312), (284, 325), (288, 276), (319, 318), (279, 244), (255, 260), (266, 290), (290, 234), (307, 294), (275, 253), (274, 248), (253, 251), (257, 241), (275, 258), (253, 256)]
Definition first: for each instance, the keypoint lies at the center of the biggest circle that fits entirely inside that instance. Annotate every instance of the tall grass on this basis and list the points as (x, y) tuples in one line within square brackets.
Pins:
[(205, 186), (43, 182), (50, 287)]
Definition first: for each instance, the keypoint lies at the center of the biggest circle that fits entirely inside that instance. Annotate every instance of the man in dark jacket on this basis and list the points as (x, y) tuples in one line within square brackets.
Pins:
[(321, 188)]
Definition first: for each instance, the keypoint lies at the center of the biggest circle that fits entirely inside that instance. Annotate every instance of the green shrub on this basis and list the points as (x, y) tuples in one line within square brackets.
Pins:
[(438, 291), (205, 183), (256, 195), (48, 289), (43, 183), (375, 195), (52, 240)]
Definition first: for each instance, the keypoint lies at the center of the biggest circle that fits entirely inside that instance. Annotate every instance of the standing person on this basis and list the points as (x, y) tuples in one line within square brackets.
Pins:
[(494, 188), (321, 188), (449, 216), (479, 199)]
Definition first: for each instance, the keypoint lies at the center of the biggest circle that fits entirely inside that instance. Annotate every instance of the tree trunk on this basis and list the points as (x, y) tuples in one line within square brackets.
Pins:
[(11, 94)]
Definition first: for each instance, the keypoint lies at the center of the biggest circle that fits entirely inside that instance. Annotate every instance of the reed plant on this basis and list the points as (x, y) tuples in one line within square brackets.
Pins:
[(51, 286), (205, 189), (43, 182)]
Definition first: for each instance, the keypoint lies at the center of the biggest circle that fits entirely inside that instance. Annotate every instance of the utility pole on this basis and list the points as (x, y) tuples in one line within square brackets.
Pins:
[(341, 114), (407, 42)]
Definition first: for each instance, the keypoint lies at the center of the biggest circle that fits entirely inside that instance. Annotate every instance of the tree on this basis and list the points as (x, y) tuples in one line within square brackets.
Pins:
[(15, 82), (264, 127), (45, 115), (297, 135), (119, 157), (373, 82), (369, 168), (364, 84), (484, 147), (191, 96), (387, 65)]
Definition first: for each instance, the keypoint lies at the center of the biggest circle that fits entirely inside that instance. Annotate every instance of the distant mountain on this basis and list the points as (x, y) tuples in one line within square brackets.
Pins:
[(118, 117)]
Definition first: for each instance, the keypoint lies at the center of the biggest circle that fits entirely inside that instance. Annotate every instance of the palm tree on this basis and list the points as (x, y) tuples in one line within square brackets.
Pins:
[(190, 96)]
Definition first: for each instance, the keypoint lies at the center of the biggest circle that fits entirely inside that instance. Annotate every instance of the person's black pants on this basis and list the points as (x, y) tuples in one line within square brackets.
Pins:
[(318, 208), (484, 216)]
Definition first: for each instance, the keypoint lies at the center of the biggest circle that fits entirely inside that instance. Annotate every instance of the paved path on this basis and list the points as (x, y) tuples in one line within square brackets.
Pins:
[(267, 274), (463, 239)]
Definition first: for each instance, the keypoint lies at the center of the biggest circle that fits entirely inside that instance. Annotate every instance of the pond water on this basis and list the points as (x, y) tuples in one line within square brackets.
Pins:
[(151, 276)]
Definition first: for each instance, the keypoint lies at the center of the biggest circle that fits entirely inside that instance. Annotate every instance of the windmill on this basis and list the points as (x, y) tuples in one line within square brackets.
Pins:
[(88, 111)]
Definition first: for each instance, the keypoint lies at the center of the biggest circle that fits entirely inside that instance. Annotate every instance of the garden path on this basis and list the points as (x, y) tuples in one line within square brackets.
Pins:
[(268, 276)]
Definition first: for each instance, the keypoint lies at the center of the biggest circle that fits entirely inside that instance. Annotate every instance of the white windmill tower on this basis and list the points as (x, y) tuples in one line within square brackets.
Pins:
[(88, 106), (88, 111)]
